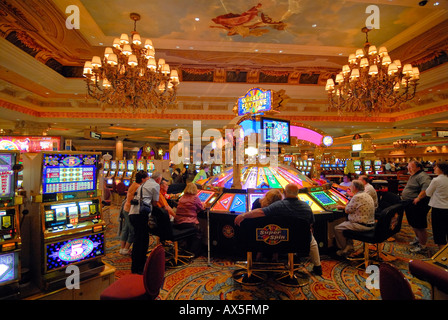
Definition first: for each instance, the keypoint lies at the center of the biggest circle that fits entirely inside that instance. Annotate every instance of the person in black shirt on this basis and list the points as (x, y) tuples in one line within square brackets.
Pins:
[(291, 205)]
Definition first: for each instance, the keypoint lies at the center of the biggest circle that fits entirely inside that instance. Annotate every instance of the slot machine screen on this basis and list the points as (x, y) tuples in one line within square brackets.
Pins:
[(121, 165), (61, 214), (339, 196), (62, 253), (367, 162), (313, 205), (204, 196), (253, 197), (275, 130), (9, 267), (113, 165), (73, 214), (84, 209), (377, 162), (130, 165), (119, 174), (106, 165), (127, 183), (323, 198), (110, 181), (7, 223), (6, 175), (129, 174), (67, 173)]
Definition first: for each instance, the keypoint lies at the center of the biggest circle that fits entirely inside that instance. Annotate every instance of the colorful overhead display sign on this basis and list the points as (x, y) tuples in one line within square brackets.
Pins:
[(30, 143), (255, 101)]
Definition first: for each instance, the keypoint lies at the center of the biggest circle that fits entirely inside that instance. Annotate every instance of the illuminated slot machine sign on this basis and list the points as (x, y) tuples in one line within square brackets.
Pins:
[(59, 254), (231, 203), (74, 175), (9, 268), (7, 178), (71, 215)]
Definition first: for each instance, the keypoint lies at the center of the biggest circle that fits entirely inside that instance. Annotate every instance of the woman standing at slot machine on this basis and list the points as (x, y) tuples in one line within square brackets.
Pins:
[(127, 230)]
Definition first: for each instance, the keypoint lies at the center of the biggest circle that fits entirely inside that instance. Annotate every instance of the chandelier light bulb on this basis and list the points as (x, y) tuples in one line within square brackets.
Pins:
[(124, 39), (136, 39), (96, 62), (112, 59), (132, 61)]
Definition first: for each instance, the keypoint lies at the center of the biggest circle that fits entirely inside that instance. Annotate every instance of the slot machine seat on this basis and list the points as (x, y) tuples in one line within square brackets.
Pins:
[(437, 276), (393, 284), (388, 223), (170, 234), (274, 234), (140, 287), (121, 192)]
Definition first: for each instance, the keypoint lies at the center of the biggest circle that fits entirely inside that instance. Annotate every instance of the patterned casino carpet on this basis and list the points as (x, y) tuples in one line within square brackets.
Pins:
[(340, 279)]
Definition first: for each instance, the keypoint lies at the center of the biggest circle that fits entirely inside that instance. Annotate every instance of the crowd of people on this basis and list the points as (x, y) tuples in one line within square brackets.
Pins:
[(420, 196)]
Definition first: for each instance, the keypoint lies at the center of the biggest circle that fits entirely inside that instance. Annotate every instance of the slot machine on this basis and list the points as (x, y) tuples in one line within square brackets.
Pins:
[(368, 167), (377, 167), (67, 227), (129, 173), (357, 164), (10, 238), (111, 174)]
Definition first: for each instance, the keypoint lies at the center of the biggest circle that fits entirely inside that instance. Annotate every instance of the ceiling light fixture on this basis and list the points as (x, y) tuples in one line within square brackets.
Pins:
[(129, 77), (372, 82), (405, 143)]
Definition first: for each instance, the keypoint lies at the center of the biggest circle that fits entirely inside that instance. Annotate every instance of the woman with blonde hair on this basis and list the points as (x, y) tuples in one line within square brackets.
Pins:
[(270, 197), (187, 214)]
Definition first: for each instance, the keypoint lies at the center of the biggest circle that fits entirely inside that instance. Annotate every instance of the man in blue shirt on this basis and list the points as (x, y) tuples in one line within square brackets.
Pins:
[(290, 206)]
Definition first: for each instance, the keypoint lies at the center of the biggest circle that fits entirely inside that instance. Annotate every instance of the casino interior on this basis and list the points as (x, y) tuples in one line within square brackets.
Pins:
[(266, 93)]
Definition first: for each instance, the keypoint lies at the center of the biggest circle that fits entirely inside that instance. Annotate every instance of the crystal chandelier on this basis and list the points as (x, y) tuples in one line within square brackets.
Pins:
[(129, 77), (405, 143), (371, 82)]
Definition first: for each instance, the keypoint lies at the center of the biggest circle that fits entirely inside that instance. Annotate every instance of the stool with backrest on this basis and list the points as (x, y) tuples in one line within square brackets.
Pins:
[(388, 223), (274, 234), (166, 231), (140, 287)]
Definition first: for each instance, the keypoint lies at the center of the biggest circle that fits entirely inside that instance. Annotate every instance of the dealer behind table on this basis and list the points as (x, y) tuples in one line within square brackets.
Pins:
[(291, 205)]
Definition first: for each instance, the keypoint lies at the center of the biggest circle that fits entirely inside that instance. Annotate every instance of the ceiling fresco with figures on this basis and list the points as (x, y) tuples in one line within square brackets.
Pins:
[(221, 49)]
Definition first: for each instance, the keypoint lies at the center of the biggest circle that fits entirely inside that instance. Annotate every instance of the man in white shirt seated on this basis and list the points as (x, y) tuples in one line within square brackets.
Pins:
[(361, 217), (368, 188)]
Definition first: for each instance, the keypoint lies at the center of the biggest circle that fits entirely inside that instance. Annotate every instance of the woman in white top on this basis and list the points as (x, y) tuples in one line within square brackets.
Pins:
[(438, 191)]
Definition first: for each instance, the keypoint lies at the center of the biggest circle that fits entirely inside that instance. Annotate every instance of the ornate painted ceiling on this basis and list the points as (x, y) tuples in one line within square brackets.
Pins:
[(221, 49)]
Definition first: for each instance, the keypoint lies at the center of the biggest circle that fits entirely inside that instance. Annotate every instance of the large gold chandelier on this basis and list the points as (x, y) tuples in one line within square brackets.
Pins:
[(405, 143), (128, 76), (371, 82)]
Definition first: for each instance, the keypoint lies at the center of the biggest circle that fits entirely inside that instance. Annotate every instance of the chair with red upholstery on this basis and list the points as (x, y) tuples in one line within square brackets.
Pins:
[(393, 284), (140, 287)]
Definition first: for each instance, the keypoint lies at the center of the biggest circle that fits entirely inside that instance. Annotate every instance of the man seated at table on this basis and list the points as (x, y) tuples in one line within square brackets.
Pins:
[(368, 188), (361, 217), (290, 205)]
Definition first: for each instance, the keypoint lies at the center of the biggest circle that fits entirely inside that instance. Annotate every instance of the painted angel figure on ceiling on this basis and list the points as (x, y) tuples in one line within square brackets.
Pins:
[(247, 23)]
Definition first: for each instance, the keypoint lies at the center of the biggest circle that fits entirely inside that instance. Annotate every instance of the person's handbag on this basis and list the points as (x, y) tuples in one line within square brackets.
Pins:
[(144, 209)]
